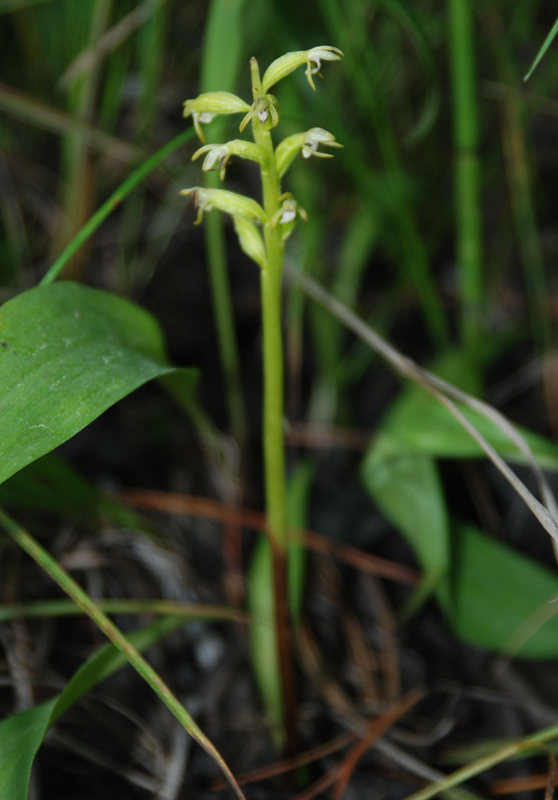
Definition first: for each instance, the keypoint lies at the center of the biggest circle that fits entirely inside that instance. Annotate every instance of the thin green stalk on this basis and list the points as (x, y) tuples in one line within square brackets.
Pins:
[(274, 442), (486, 762), (86, 604), (273, 413), (65, 608), (112, 203), (467, 172)]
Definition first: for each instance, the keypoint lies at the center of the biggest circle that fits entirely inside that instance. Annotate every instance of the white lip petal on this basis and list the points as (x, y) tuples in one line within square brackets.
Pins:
[(206, 117), (287, 216)]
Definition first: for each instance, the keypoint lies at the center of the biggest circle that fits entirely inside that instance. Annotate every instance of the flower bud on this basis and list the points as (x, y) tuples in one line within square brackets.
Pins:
[(250, 240), (207, 105), (308, 142), (237, 205), (266, 109), (286, 64)]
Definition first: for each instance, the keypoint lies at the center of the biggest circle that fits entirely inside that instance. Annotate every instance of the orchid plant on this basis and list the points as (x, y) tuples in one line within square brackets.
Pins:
[(262, 231)]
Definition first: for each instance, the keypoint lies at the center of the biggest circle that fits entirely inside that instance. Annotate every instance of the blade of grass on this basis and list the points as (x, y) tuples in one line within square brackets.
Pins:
[(66, 608), (544, 47), (486, 762), (113, 202), (82, 599), (467, 175)]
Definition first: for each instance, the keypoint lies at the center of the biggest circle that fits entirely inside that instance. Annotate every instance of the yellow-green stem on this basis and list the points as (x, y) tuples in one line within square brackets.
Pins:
[(273, 433), (274, 445)]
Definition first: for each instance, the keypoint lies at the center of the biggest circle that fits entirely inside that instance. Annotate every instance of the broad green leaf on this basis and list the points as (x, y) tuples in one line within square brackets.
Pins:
[(67, 353), (22, 734), (495, 597), (417, 421), (406, 487)]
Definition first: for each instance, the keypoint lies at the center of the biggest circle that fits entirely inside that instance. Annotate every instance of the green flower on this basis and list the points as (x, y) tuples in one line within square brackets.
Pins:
[(219, 155), (308, 142), (266, 109), (237, 205), (286, 64), (286, 215), (207, 105)]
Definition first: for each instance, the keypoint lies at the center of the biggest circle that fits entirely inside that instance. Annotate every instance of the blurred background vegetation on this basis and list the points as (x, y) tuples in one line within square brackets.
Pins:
[(436, 219)]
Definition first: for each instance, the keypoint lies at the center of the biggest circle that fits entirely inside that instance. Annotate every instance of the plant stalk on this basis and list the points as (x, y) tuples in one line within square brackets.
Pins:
[(273, 412), (467, 173)]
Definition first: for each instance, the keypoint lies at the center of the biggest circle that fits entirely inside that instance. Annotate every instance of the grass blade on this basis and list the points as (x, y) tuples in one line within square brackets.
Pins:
[(113, 202), (82, 599), (545, 45), (467, 175)]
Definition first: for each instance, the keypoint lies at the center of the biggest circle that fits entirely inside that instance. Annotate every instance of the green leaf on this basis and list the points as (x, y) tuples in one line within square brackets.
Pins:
[(22, 734), (406, 488), (544, 47), (495, 597), (67, 353), (418, 422)]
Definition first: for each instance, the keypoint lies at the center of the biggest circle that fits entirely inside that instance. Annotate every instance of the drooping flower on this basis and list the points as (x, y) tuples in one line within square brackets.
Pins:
[(219, 155), (237, 205), (266, 109), (207, 105), (286, 215), (286, 64), (307, 142)]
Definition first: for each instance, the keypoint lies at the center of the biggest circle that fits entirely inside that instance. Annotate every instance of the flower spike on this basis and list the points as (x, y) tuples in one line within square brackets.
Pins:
[(286, 64), (208, 104)]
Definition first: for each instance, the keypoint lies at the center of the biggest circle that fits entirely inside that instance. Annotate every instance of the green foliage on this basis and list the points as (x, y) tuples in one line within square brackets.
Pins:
[(498, 598), (86, 89), (67, 354), (22, 734)]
